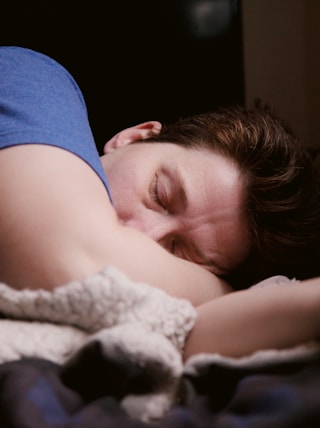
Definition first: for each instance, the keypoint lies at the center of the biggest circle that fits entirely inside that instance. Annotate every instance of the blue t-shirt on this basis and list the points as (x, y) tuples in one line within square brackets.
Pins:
[(40, 102)]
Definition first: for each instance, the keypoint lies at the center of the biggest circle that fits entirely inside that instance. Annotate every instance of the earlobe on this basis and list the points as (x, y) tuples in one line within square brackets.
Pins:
[(132, 134)]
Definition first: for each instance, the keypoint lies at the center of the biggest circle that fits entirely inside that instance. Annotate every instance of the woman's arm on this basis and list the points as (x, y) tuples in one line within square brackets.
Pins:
[(259, 318), (57, 224)]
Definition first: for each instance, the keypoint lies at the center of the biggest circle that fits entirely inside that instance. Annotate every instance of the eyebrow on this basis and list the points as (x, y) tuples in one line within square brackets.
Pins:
[(176, 177)]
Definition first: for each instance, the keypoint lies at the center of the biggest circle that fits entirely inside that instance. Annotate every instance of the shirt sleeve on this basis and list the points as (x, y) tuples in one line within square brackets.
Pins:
[(40, 102)]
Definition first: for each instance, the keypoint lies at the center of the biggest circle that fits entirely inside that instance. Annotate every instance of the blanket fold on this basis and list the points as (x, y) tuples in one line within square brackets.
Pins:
[(100, 301)]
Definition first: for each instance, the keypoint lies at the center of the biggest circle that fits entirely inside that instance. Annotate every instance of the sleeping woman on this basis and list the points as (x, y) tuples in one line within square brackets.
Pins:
[(199, 208)]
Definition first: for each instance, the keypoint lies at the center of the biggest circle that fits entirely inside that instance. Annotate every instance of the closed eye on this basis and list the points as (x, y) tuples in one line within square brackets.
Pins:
[(154, 192)]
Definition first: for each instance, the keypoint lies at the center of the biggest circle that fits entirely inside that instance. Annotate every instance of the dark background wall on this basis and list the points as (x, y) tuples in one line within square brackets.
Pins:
[(137, 60), (281, 55)]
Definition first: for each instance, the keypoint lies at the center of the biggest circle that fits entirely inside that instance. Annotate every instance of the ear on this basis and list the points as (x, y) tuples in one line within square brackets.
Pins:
[(130, 135)]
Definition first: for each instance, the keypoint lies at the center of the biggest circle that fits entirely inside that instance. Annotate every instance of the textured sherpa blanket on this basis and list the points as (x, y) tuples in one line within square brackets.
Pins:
[(133, 323), (111, 323)]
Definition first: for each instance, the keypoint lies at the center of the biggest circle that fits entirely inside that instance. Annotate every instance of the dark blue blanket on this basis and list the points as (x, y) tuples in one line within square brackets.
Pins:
[(36, 393)]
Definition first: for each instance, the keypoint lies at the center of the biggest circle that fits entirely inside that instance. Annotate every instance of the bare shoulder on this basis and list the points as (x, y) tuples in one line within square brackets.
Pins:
[(52, 205)]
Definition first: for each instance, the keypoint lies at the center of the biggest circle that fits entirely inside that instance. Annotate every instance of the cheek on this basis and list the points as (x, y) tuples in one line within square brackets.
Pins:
[(127, 197), (124, 201), (129, 182)]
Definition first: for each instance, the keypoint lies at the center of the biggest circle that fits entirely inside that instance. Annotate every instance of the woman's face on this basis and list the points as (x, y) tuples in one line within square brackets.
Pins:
[(189, 201)]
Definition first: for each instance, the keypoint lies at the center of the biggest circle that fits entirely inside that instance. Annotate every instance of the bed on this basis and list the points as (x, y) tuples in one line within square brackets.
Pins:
[(106, 352)]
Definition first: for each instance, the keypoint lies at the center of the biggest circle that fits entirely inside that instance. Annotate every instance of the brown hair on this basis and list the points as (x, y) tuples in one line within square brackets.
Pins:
[(282, 203)]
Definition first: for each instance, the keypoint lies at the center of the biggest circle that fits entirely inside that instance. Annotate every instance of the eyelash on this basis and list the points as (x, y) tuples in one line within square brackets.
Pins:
[(155, 194), (155, 197)]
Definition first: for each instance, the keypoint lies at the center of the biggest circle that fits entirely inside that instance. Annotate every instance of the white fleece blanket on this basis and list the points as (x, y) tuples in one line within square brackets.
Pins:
[(132, 322)]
